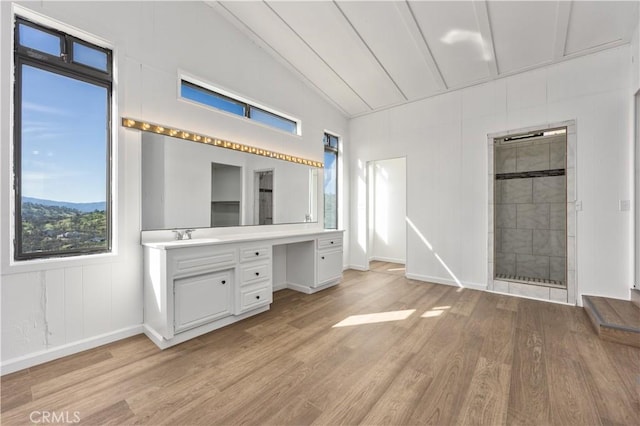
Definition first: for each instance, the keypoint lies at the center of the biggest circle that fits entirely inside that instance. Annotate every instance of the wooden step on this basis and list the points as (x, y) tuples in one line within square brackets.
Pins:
[(635, 296), (614, 319)]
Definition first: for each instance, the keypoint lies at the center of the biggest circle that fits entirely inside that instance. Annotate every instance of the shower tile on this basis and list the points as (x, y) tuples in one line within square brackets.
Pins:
[(548, 242), (516, 241), (505, 263), (527, 290), (557, 267), (532, 157), (505, 160), (532, 216), (505, 216), (517, 191), (501, 286), (557, 216), (557, 152), (498, 240), (549, 189), (558, 295), (532, 266)]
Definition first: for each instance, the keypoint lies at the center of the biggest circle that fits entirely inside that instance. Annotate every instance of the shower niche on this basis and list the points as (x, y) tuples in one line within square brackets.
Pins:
[(530, 208)]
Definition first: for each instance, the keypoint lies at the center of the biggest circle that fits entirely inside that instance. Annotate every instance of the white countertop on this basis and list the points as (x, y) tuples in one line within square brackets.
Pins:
[(234, 238)]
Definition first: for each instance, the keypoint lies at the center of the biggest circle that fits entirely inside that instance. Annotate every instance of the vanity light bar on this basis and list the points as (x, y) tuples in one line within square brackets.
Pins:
[(196, 137)]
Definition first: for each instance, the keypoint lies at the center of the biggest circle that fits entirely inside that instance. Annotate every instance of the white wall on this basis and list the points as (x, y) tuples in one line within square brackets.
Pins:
[(445, 141), (389, 234), (50, 308)]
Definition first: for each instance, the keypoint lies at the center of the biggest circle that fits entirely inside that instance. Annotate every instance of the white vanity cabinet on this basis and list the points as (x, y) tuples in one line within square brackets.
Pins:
[(192, 287), (329, 259)]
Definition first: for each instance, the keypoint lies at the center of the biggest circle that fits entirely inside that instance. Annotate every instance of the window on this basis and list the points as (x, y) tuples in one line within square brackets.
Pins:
[(62, 144), (330, 181), (235, 106)]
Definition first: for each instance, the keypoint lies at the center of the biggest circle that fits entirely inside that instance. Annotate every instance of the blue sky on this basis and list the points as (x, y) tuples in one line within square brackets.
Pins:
[(64, 137)]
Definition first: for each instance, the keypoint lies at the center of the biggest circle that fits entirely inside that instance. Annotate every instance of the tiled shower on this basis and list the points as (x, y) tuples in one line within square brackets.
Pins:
[(530, 197)]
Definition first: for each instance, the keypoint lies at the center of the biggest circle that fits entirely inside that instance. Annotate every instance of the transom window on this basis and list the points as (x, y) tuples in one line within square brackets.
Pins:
[(201, 95), (62, 144)]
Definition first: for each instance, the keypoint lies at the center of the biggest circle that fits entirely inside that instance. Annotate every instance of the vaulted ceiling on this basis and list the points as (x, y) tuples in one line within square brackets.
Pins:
[(369, 55)]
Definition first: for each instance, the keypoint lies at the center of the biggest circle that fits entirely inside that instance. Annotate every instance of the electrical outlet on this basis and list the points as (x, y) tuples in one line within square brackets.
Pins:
[(578, 206), (625, 205)]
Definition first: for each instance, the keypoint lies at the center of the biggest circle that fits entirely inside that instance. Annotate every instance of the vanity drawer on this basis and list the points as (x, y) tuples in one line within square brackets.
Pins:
[(186, 263), (255, 296), (254, 272), (329, 242), (255, 253)]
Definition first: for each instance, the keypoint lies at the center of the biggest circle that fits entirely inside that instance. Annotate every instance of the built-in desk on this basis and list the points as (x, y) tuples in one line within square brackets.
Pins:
[(195, 286)]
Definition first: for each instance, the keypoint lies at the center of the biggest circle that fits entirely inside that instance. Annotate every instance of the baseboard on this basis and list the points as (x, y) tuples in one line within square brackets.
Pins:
[(357, 268), (40, 357), (446, 281), (388, 259)]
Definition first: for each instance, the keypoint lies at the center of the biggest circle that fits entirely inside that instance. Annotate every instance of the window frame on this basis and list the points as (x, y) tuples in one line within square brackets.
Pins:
[(64, 66), (335, 151), (247, 105)]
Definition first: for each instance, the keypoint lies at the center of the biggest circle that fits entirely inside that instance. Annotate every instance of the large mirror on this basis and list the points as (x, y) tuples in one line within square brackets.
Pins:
[(193, 185)]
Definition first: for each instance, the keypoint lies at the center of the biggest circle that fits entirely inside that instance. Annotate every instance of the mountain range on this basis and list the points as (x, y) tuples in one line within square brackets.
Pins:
[(82, 207)]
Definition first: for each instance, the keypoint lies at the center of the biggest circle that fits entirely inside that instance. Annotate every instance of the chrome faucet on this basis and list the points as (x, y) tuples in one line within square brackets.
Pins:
[(183, 234)]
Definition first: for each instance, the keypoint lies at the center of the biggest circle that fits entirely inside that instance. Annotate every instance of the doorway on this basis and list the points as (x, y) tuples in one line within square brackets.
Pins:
[(263, 214), (387, 207)]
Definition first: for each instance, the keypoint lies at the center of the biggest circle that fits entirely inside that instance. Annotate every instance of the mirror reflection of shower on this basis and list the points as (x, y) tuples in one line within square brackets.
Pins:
[(264, 197), (530, 202)]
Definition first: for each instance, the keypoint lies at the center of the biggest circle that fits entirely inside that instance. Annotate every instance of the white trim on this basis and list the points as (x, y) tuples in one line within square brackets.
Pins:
[(530, 298), (357, 268), (446, 281), (388, 259), (40, 357)]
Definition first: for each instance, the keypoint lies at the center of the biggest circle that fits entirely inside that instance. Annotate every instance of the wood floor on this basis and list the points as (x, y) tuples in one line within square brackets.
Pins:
[(458, 357)]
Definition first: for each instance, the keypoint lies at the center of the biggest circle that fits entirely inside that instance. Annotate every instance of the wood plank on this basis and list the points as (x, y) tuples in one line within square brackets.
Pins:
[(461, 357)]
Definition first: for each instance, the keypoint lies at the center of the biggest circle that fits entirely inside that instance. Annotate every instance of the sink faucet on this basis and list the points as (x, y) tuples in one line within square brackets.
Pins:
[(183, 234)]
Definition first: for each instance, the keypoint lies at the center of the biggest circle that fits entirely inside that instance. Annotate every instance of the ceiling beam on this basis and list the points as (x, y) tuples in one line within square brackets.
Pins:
[(416, 33), (563, 16), (484, 25), (373, 54)]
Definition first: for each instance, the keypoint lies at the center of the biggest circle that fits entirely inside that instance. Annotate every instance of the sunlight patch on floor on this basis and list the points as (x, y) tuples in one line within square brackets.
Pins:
[(375, 318), (435, 312)]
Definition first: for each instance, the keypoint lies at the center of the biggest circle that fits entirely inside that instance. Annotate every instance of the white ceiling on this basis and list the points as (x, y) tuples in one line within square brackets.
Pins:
[(369, 55)]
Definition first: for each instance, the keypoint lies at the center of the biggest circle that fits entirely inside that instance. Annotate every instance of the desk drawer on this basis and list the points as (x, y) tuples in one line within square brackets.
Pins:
[(329, 242), (255, 296), (254, 272), (255, 253)]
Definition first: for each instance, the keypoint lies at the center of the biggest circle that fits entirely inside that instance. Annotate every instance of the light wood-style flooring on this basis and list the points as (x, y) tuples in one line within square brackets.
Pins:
[(434, 354)]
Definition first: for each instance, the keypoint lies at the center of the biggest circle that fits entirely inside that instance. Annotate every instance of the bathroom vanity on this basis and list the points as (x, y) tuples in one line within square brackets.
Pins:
[(194, 286)]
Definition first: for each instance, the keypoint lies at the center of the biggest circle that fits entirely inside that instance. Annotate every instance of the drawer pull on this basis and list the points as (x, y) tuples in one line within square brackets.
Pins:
[(224, 281), (257, 274), (331, 242), (257, 253), (257, 297), (322, 258)]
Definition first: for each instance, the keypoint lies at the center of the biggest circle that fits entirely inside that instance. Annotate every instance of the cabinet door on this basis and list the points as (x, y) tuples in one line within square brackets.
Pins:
[(202, 299), (329, 267)]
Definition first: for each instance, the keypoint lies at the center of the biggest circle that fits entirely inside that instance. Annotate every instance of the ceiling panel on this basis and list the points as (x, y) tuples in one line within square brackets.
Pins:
[(595, 24), (523, 33), (381, 27), (452, 34), (329, 34), (368, 55), (269, 28)]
